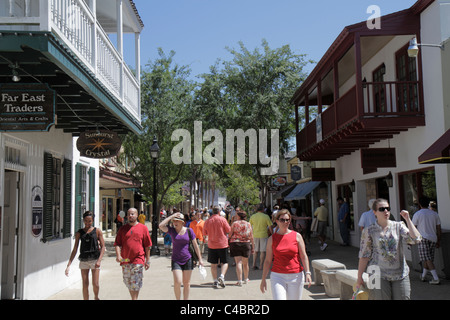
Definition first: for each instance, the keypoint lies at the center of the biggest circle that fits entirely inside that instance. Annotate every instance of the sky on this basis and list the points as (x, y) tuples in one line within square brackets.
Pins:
[(200, 30)]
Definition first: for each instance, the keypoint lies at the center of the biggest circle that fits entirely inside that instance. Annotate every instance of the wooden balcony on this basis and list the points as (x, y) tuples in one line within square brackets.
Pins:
[(76, 29), (385, 109)]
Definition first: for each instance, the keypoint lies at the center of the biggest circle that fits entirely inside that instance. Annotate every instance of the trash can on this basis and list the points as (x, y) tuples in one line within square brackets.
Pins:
[(332, 286)]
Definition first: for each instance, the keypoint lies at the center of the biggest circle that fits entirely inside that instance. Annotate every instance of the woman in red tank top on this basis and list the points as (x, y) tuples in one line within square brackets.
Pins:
[(287, 250)]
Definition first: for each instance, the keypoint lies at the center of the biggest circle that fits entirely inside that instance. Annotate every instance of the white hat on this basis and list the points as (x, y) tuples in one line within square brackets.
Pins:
[(322, 201)]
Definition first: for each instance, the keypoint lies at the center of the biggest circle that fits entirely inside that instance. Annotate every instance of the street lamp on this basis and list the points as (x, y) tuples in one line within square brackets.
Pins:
[(154, 153), (413, 49)]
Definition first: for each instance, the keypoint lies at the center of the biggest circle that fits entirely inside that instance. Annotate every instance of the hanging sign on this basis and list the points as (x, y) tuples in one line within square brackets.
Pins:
[(323, 174), (37, 205), (378, 158), (26, 107), (99, 144), (296, 173)]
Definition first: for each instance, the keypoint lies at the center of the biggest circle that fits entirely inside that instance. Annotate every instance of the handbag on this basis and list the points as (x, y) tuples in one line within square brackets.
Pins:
[(192, 250), (314, 225)]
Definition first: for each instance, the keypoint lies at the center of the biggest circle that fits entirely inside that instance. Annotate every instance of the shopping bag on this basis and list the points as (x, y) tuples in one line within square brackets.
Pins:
[(314, 225)]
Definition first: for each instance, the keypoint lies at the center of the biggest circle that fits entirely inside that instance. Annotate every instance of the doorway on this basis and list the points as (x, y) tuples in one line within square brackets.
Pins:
[(10, 246)]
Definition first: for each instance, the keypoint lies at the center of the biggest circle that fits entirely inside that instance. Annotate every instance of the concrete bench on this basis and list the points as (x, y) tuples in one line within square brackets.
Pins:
[(319, 265), (346, 280)]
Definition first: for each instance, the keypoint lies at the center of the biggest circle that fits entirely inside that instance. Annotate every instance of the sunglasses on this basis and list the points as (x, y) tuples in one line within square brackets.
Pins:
[(381, 209), (284, 220)]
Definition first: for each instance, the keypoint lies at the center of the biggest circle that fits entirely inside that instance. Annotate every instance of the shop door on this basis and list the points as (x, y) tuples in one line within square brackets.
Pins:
[(107, 214), (10, 237)]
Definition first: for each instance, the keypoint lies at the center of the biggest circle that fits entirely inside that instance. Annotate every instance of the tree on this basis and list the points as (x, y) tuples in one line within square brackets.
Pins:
[(253, 91), (239, 187), (167, 97)]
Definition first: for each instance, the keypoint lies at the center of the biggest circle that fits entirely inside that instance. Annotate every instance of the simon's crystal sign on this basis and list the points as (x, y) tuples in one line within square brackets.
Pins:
[(26, 107)]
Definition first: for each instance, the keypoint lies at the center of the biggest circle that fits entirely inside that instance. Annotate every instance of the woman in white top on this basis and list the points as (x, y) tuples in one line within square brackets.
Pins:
[(382, 248)]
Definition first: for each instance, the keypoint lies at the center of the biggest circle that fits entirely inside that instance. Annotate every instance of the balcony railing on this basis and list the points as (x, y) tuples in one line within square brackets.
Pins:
[(381, 101), (75, 24)]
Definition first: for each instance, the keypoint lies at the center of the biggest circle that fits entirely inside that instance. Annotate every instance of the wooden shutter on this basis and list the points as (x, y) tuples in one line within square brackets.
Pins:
[(67, 202), (48, 198), (92, 190), (78, 197)]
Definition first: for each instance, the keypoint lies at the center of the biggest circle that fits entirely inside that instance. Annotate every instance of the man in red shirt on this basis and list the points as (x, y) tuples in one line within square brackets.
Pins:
[(216, 229), (132, 246)]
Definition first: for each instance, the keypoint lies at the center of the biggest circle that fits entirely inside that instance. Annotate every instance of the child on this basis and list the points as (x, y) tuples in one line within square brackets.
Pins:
[(167, 243)]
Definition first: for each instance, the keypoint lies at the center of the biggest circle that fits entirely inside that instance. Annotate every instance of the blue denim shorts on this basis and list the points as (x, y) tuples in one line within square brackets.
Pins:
[(187, 266)]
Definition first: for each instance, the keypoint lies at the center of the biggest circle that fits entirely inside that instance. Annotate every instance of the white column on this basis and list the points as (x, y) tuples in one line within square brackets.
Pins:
[(93, 6), (137, 50), (120, 45), (45, 15)]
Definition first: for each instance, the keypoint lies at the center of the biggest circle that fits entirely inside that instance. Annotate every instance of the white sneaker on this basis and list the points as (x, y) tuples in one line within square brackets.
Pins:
[(221, 282), (434, 281), (323, 247)]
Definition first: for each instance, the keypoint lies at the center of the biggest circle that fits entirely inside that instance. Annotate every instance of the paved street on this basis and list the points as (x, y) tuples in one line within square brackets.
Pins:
[(158, 282)]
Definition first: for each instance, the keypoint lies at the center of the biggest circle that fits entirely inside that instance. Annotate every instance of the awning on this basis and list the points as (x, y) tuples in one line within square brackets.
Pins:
[(283, 192), (302, 190), (110, 179), (439, 152)]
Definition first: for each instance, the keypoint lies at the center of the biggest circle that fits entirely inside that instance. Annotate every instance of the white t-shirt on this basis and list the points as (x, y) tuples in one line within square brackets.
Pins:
[(367, 218), (426, 221)]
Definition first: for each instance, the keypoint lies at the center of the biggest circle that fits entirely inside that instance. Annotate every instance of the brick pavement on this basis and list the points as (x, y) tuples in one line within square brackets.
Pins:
[(158, 281)]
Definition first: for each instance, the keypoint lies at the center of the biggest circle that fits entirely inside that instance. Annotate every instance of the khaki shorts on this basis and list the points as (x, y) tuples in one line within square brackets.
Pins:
[(260, 244), (88, 265)]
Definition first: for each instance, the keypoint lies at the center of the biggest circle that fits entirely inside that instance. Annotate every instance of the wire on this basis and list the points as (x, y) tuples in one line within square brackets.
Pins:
[(58, 95)]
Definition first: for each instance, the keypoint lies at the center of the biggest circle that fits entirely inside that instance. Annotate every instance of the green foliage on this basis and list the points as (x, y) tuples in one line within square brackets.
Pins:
[(251, 91), (167, 97), (238, 187)]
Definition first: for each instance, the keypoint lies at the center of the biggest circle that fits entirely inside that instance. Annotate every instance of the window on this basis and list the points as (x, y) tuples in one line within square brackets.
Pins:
[(57, 188), (407, 88), (379, 94), (84, 192), (414, 185)]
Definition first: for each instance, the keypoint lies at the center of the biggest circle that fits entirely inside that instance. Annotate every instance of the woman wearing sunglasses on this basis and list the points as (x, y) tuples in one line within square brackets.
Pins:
[(382, 249), (290, 262)]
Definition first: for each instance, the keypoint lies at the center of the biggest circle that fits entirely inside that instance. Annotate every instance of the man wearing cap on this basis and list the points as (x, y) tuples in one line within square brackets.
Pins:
[(321, 214), (216, 229)]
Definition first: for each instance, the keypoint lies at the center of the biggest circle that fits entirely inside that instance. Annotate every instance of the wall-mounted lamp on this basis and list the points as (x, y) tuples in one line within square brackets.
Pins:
[(389, 180), (352, 186), (413, 49), (15, 73)]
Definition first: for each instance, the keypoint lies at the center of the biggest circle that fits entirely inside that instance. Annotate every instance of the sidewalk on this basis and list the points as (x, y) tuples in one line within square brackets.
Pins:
[(158, 281)]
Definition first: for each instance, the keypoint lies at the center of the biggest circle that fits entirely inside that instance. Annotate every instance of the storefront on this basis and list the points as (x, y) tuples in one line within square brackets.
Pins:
[(57, 83)]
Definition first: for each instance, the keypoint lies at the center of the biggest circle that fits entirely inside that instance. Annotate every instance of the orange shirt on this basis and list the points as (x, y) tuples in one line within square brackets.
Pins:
[(197, 226), (216, 228)]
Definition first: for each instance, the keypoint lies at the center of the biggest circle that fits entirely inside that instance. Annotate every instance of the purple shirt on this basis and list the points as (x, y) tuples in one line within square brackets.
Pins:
[(180, 253)]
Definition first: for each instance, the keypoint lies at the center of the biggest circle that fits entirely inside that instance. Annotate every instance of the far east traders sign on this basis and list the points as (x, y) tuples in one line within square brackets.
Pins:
[(26, 107), (98, 144)]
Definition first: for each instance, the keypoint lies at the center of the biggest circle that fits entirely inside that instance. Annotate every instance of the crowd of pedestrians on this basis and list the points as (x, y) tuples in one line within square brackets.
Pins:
[(279, 237)]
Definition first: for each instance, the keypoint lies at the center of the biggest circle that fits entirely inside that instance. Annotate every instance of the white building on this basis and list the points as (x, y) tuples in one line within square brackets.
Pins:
[(379, 111), (61, 75)]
